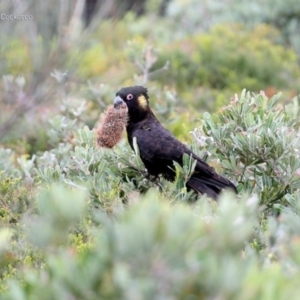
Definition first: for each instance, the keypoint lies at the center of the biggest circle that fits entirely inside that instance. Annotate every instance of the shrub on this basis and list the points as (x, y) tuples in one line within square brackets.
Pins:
[(15, 57), (80, 222), (232, 57), (89, 223), (257, 142), (164, 251)]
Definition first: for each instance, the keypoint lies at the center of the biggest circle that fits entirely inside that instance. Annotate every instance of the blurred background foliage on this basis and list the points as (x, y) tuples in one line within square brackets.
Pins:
[(78, 222), (203, 52)]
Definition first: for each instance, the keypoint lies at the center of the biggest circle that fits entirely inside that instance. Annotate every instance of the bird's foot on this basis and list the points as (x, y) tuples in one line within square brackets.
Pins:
[(153, 178)]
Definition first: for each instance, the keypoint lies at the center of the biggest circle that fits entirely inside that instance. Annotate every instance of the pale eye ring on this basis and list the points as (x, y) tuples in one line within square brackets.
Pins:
[(129, 97)]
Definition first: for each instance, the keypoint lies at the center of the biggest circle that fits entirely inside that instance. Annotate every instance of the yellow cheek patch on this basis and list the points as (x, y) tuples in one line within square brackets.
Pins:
[(142, 102)]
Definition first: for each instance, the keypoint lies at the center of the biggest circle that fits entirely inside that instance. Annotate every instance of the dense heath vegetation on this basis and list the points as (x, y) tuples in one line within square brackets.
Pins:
[(79, 222)]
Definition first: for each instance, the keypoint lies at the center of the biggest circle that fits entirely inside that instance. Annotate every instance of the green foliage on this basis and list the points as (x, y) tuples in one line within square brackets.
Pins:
[(205, 67), (159, 250), (55, 215), (92, 223), (221, 59), (15, 55), (175, 248), (257, 142), (79, 222), (15, 199), (282, 14), (93, 61)]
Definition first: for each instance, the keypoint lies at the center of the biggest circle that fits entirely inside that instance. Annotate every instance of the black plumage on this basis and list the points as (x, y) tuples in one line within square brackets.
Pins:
[(159, 148)]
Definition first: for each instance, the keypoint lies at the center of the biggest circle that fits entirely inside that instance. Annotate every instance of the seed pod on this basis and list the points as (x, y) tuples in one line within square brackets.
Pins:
[(112, 124)]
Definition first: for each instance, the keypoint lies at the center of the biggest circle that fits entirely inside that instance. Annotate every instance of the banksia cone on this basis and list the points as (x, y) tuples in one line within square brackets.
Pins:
[(111, 127)]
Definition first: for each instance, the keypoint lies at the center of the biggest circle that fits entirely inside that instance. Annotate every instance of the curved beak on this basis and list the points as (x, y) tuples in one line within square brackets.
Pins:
[(118, 100)]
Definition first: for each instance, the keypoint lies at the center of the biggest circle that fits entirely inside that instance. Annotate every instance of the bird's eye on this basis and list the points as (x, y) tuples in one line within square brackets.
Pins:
[(129, 97)]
